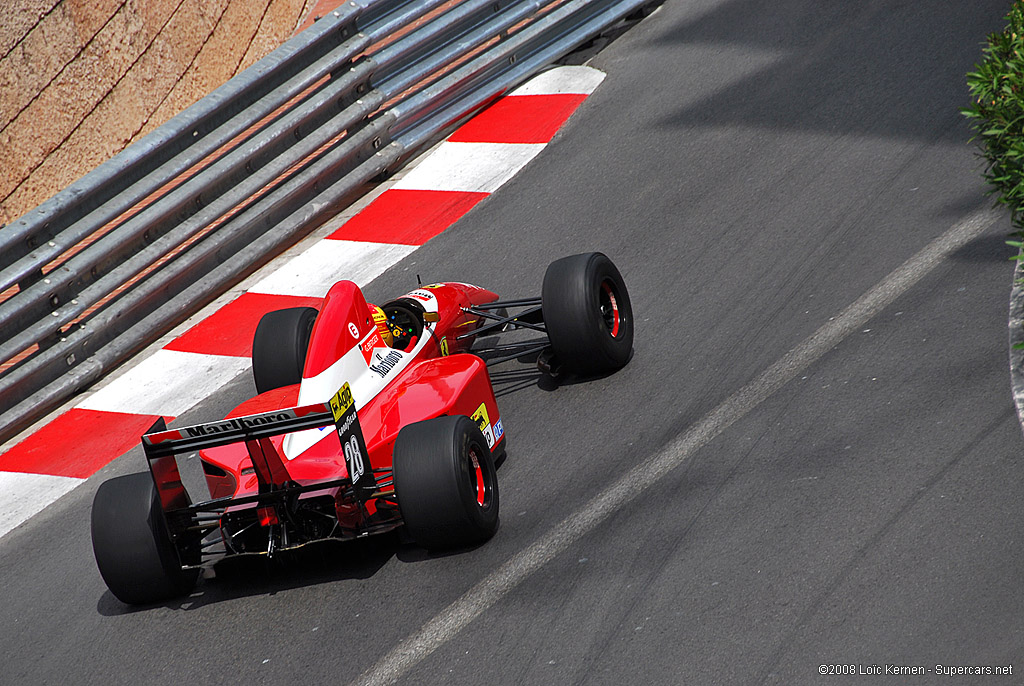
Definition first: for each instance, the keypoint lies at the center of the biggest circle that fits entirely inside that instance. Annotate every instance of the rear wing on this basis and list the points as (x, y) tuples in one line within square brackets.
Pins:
[(161, 445), (170, 442)]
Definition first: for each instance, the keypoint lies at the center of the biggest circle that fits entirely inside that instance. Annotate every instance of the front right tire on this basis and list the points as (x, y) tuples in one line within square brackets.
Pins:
[(446, 483)]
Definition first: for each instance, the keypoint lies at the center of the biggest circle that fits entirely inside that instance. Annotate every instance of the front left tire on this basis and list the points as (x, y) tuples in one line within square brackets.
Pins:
[(279, 347), (587, 314)]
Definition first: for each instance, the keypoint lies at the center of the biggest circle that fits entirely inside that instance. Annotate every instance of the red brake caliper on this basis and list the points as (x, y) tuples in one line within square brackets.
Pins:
[(480, 490), (615, 307)]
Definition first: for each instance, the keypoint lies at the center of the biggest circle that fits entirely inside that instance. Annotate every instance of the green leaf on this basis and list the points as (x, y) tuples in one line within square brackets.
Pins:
[(996, 114)]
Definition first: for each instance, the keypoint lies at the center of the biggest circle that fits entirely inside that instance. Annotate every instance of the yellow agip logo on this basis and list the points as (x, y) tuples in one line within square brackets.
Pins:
[(481, 418), (484, 422), (341, 401)]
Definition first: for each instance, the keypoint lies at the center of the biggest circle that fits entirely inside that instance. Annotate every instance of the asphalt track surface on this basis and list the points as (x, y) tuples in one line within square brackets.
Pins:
[(755, 169)]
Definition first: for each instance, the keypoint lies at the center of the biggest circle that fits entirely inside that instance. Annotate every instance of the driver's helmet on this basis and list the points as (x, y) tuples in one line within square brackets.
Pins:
[(381, 320)]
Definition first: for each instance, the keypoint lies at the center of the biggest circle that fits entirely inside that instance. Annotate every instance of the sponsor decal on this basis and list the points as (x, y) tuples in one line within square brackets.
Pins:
[(353, 445), (499, 431), (444, 346), (354, 330), (385, 363), (368, 345), (155, 438), (425, 296), (484, 422), (434, 285), (238, 424), (480, 416)]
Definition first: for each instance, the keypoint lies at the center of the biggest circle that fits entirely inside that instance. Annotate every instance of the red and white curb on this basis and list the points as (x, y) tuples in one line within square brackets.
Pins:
[(471, 164)]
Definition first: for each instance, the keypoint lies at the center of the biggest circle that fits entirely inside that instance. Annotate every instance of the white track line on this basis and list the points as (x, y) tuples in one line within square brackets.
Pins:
[(506, 578), (567, 80), (167, 383), (314, 271), (470, 167), (27, 494)]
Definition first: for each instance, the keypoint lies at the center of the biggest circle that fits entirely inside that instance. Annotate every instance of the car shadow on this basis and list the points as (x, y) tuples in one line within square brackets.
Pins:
[(509, 381), (409, 552), (245, 576)]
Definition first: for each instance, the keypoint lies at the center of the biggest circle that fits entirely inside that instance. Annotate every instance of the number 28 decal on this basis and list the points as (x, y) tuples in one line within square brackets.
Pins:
[(354, 458), (343, 409)]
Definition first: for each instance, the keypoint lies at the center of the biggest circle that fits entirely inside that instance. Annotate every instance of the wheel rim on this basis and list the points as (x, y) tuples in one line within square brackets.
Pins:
[(480, 486), (610, 314)]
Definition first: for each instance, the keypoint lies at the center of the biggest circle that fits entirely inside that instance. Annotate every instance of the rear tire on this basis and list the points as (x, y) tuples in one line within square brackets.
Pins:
[(587, 314), (279, 347), (133, 549), (445, 483)]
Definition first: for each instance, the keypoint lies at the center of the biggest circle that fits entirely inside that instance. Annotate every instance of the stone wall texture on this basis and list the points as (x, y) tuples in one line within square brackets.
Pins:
[(81, 79)]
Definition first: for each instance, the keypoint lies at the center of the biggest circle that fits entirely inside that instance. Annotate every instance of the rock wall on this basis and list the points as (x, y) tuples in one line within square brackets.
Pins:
[(81, 79)]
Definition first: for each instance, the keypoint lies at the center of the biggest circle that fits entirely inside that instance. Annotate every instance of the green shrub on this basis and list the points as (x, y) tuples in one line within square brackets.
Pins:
[(997, 87)]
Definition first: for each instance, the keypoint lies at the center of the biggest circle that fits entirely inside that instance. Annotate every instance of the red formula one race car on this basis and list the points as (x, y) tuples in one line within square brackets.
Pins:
[(367, 419)]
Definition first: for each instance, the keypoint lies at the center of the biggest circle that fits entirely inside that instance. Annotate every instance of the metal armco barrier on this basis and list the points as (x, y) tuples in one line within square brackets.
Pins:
[(131, 249)]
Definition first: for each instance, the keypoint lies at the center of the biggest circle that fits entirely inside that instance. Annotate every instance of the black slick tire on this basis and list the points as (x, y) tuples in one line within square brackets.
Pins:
[(445, 483), (587, 314), (133, 549), (279, 347)]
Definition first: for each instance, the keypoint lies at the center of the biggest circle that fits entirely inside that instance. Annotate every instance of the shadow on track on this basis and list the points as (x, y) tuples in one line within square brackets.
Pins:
[(252, 575), (323, 562), (841, 69)]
